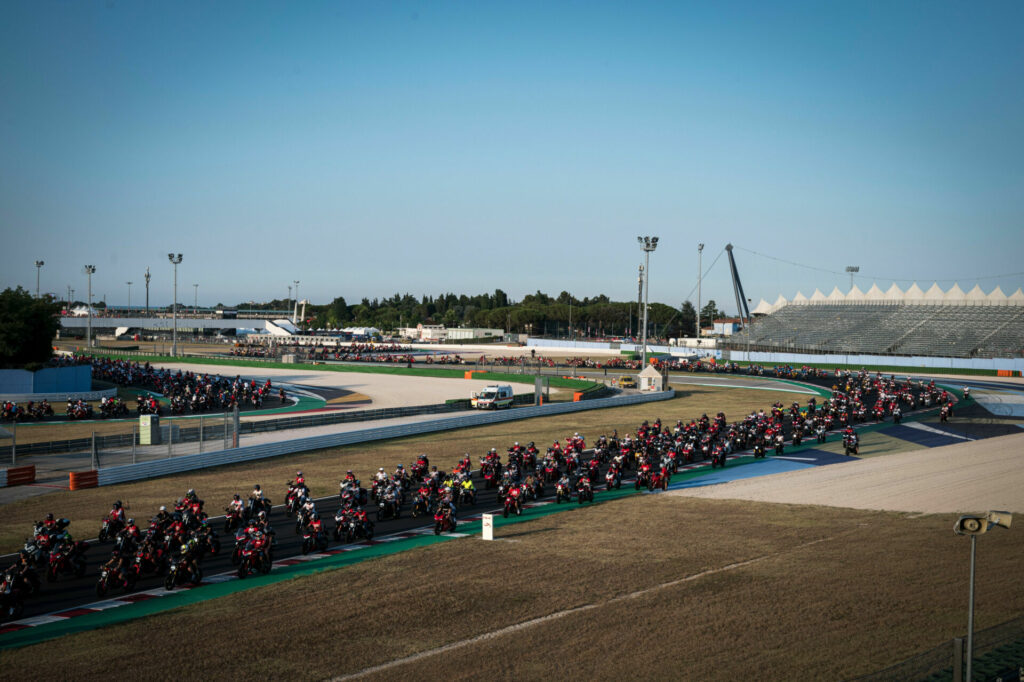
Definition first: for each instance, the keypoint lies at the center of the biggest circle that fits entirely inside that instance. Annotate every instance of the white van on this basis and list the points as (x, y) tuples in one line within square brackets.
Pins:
[(492, 398)]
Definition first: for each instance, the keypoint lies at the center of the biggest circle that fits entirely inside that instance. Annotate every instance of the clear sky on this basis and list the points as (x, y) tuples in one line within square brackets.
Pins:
[(371, 148)]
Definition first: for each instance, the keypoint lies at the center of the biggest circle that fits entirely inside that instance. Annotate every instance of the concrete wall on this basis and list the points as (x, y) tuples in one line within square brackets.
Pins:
[(48, 380), (886, 360)]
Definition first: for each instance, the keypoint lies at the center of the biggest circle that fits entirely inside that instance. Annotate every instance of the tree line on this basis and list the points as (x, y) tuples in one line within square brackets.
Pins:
[(537, 314)]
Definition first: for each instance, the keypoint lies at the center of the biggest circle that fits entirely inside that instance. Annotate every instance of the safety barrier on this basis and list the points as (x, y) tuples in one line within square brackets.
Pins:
[(3, 478), (59, 397), (21, 475), (163, 467), (78, 480)]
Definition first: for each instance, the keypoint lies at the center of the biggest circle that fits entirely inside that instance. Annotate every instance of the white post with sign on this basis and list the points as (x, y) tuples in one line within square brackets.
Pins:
[(488, 526)]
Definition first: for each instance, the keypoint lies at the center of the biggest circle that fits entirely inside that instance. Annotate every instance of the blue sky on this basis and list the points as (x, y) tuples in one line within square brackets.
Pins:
[(369, 148)]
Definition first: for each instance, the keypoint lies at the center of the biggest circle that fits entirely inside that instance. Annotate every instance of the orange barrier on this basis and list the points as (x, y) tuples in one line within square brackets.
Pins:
[(577, 396), (469, 374), (82, 479), (21, 475)]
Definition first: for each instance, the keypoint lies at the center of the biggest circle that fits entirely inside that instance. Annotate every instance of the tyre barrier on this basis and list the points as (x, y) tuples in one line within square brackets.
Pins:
[(77, 480), (21, 475)]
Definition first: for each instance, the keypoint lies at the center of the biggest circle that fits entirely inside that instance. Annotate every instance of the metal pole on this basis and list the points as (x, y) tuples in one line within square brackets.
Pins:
[(95, 454), (958, 659), (89, 269), (39, 265), (195, 299), (129, 297), (234, 428), (970, 614), (174, 312), (170, 439), (147, 291), (225, 430), (700, 279), (14, 444), (135, 439), (201, 435), (647, 290)]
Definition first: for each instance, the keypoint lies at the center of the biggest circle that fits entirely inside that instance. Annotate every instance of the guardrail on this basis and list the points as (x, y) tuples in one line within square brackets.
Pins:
[(163, 467), (60, 397)]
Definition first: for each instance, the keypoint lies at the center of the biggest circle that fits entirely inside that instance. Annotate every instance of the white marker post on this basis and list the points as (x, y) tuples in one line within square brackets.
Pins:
[(488, 526)]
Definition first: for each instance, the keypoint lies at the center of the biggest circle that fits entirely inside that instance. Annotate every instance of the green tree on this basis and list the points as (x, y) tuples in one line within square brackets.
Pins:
[(27, 328), (709, 313)]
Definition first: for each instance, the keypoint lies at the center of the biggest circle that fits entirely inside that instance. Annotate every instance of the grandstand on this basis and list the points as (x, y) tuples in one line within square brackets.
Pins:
[(936, 323)]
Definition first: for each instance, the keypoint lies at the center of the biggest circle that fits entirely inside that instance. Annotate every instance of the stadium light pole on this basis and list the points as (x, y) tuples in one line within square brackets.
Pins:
[(39, 266), (287, 301), (195, 299), (700, 279), (648, 244), (295, 313), (129, 297), (852, 269), (89, 270), (147, 291), (175, 260)]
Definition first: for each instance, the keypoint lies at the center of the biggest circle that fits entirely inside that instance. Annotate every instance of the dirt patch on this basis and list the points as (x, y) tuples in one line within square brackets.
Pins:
[(965, 477)]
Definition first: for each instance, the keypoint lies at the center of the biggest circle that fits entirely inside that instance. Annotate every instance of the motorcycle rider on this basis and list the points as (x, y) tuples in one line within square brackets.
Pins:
[(117, 513), (350, 477), (235, 505), (163, 517)]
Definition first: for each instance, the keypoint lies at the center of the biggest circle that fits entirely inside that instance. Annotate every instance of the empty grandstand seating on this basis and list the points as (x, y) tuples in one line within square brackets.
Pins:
[(960, 331)]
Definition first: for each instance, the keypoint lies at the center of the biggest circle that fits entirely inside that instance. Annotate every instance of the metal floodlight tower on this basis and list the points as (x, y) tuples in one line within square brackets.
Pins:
[(129, 297), (700, 279), (295, 313), (89, 270), (147, 291), (195, 299), (39, 265), (975, 526), (852, 269), (648, 244), (175, 260)]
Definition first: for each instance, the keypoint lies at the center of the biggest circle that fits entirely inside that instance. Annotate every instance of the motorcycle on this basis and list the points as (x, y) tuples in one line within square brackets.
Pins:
[(232, 519), (562, 493), (820, 433), (613, 478), (12, 596), (67, 560), (443, 521), (389, 508), (851, 444), (422, 504), (467, 496), (177, 575), (718, 459), (584, 493), (512, 503), (110, 579), (759, 450), (254, 557), (313, 537), (110, 528)]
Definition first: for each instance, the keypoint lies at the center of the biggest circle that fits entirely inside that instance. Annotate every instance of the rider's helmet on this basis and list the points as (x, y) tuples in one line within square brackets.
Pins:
[(163, 508), (49, 517), (516, 444), (191, 492), (117, 505), (237, 496), (262, 515), (257, 486), (131, 522), (298, 474), (530, 445), (400, 466), (381, 469), (314, 516), (348, 472)]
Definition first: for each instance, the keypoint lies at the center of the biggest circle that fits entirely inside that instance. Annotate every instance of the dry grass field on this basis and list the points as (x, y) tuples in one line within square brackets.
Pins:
[(651, 587), (324, 468)]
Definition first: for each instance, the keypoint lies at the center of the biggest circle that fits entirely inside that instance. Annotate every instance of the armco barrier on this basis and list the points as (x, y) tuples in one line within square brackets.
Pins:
[(21, 475), (82, 479), (3, 478), (173, 465)]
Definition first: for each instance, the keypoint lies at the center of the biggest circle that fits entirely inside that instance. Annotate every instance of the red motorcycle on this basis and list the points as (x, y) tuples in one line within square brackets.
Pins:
[(562, 493), (314, 537), (613, 478), (659, 479), (67, 559), (110, 528), (512, 502), (443, 521), (232, 519), (255, 556)]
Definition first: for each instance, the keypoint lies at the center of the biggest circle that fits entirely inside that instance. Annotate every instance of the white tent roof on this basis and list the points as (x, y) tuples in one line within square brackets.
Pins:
[(914, 293), (894, 293), (799, 298), (976, 294), (1017, 297), (874, 293), (995, 296), (763, 308), (779, 302), (836, 296), (817, 296), (935, 294), (955, 294), (855, 294)]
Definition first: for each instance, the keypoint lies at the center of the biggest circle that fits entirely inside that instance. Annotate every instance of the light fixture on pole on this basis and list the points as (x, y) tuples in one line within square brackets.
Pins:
[(39, 265), (129, 297), (288, 301), (295, 314), (852, 269), (89, 270), (195, 299), (175, 260), (700, 279), (648, 244), (975, 526), (147, 291)]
